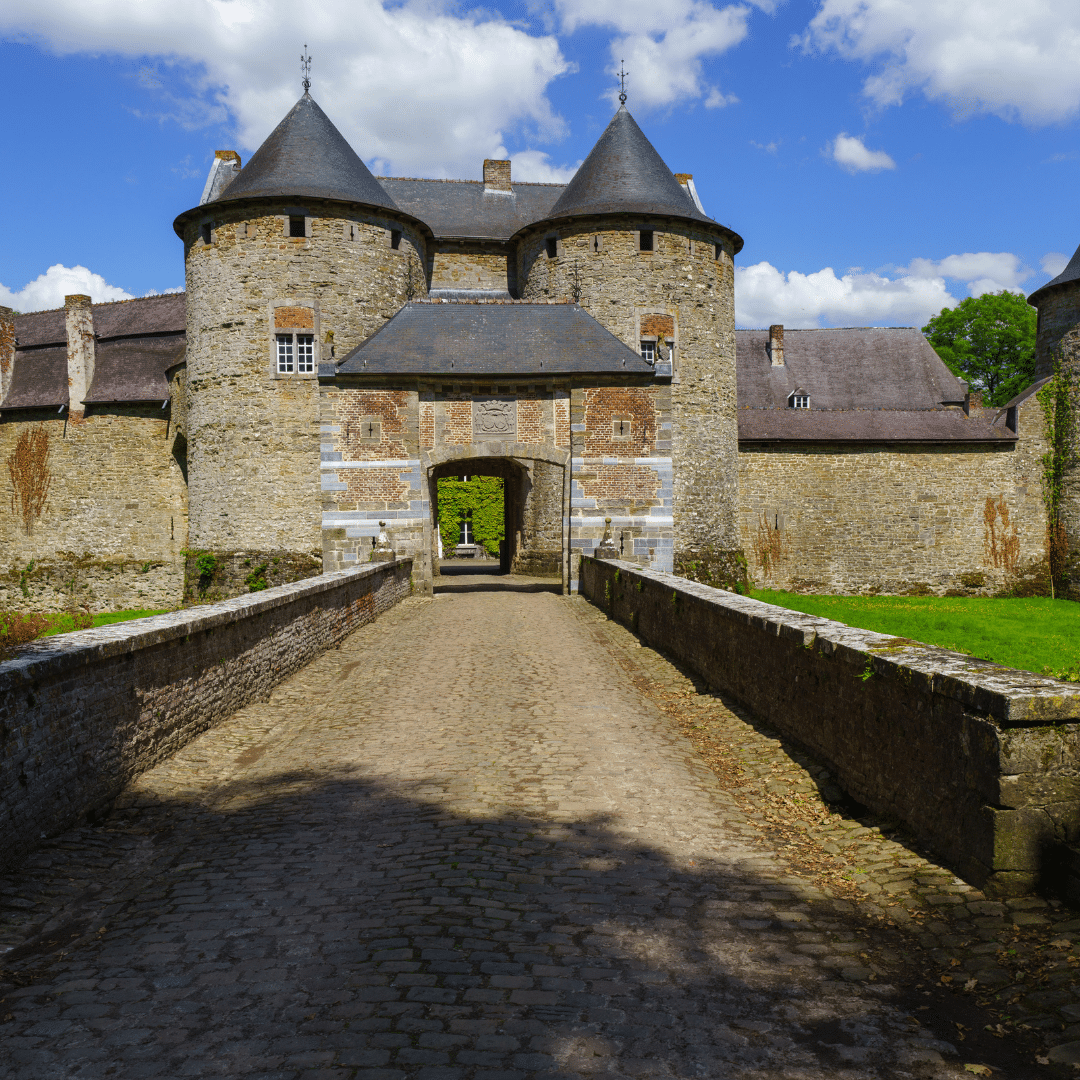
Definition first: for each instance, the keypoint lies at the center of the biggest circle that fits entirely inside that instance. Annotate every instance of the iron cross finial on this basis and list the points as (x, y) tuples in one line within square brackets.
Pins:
[(622, 82), (305, 67)]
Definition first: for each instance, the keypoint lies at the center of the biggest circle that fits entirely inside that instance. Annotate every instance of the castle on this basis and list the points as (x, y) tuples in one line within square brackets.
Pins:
[(345, 341)]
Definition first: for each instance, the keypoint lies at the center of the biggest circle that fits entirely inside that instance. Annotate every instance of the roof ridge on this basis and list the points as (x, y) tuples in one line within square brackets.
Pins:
[(451, 180), (103, 303)]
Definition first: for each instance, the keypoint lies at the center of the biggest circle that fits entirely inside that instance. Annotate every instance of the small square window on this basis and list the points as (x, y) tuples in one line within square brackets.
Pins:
[(297, 227), (395, 239), (552, 245), (621, 427), (799, 401), (648, 351), (645, 240)]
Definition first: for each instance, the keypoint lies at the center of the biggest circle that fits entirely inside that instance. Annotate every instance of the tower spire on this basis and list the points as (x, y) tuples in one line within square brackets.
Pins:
[(305, 67), (622, 81)]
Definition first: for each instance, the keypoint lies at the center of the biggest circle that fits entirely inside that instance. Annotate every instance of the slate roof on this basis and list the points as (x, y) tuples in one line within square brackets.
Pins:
[(492, 339), (137, 341), (1069, 274), (463, 209), (865, 384), (306, 156), (624, 174)]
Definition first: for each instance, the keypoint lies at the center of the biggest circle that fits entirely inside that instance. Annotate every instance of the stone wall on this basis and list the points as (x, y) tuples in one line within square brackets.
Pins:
[(114, 523), (472, 266), (686, 283), (81, 714), (253, 435), (979, 760), (538, 546), (1059, 312), (856, 518)]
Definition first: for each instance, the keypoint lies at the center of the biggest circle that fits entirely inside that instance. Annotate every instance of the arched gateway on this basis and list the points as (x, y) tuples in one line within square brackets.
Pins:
[(536, 500)]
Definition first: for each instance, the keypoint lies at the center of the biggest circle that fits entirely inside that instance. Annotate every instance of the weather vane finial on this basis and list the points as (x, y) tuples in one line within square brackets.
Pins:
[(305, 67), (622, 82)]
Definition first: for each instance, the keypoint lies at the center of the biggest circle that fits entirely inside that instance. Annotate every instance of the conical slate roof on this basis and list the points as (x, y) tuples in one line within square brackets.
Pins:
[(1070, 273), (305, 156), (624, 174)]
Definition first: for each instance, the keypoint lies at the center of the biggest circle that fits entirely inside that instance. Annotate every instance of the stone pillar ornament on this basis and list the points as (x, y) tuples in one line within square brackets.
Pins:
[(606, 549), (383, 551)]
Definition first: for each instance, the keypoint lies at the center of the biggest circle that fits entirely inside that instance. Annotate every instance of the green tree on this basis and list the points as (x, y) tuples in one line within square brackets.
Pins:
[(989, 341)]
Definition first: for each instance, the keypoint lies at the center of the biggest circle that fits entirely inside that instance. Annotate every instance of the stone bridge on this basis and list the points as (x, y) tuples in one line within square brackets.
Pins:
[(492, 836)]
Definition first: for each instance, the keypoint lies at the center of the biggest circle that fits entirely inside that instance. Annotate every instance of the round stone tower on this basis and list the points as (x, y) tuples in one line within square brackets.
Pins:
[(628, 242), (1058, 338), (298, 257)]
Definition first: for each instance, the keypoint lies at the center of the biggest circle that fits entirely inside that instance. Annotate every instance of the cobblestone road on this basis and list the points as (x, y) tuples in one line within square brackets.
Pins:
[(463, 845)]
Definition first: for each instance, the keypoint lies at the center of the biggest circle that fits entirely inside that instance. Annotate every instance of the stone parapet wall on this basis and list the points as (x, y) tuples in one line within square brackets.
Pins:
[(1059, 312), (81, 714), (979, 760)]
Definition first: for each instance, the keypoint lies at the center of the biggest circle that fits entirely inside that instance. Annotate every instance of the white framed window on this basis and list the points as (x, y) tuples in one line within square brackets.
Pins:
[(295, 354), (648, 350), (465, 533), (799, 401)]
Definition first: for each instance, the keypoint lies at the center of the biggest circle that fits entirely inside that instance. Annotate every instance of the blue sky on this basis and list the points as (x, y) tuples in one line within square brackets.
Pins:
[(881, 158)]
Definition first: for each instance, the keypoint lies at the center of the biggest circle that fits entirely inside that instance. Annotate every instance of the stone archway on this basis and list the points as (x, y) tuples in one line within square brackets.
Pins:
[(537, 485)]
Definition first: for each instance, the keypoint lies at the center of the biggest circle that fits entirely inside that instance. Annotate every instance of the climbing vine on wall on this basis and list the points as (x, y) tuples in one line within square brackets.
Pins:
[(28, 467), (483, 495), (1060, 400)]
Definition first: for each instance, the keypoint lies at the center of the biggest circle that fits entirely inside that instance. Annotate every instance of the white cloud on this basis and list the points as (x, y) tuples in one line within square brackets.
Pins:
[(769, 148), (49, 289), (663, 44), (1015, 60), (1053, 262), (765, 295), (416, 86), (536, 166), (850, 153), (983, 271)]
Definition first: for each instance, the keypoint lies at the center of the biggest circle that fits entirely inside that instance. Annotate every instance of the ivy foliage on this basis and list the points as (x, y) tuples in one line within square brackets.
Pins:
[(483, 495), (989, 341), (1060, 401)]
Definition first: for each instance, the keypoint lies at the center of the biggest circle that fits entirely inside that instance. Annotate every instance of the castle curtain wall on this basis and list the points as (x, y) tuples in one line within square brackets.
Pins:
[(850, 518), (114, 522)]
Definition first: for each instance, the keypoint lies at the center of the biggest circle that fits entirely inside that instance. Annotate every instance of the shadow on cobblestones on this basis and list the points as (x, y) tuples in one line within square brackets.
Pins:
[(510, 871)]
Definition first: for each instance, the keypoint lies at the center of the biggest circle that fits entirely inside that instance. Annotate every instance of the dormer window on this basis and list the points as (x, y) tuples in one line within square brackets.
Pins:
[(798, 400)]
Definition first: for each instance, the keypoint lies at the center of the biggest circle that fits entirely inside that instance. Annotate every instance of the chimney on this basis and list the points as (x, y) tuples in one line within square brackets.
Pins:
[(7, 350), (776, 344), (80, 351), (496, 175), (686, 182), (225, 169)]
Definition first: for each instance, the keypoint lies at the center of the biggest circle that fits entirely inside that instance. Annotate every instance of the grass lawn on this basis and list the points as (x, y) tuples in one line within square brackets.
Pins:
[(62, 624), (1037, 634)]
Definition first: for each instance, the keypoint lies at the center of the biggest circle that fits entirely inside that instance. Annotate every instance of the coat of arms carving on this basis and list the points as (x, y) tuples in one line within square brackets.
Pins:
[(495, 418)]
